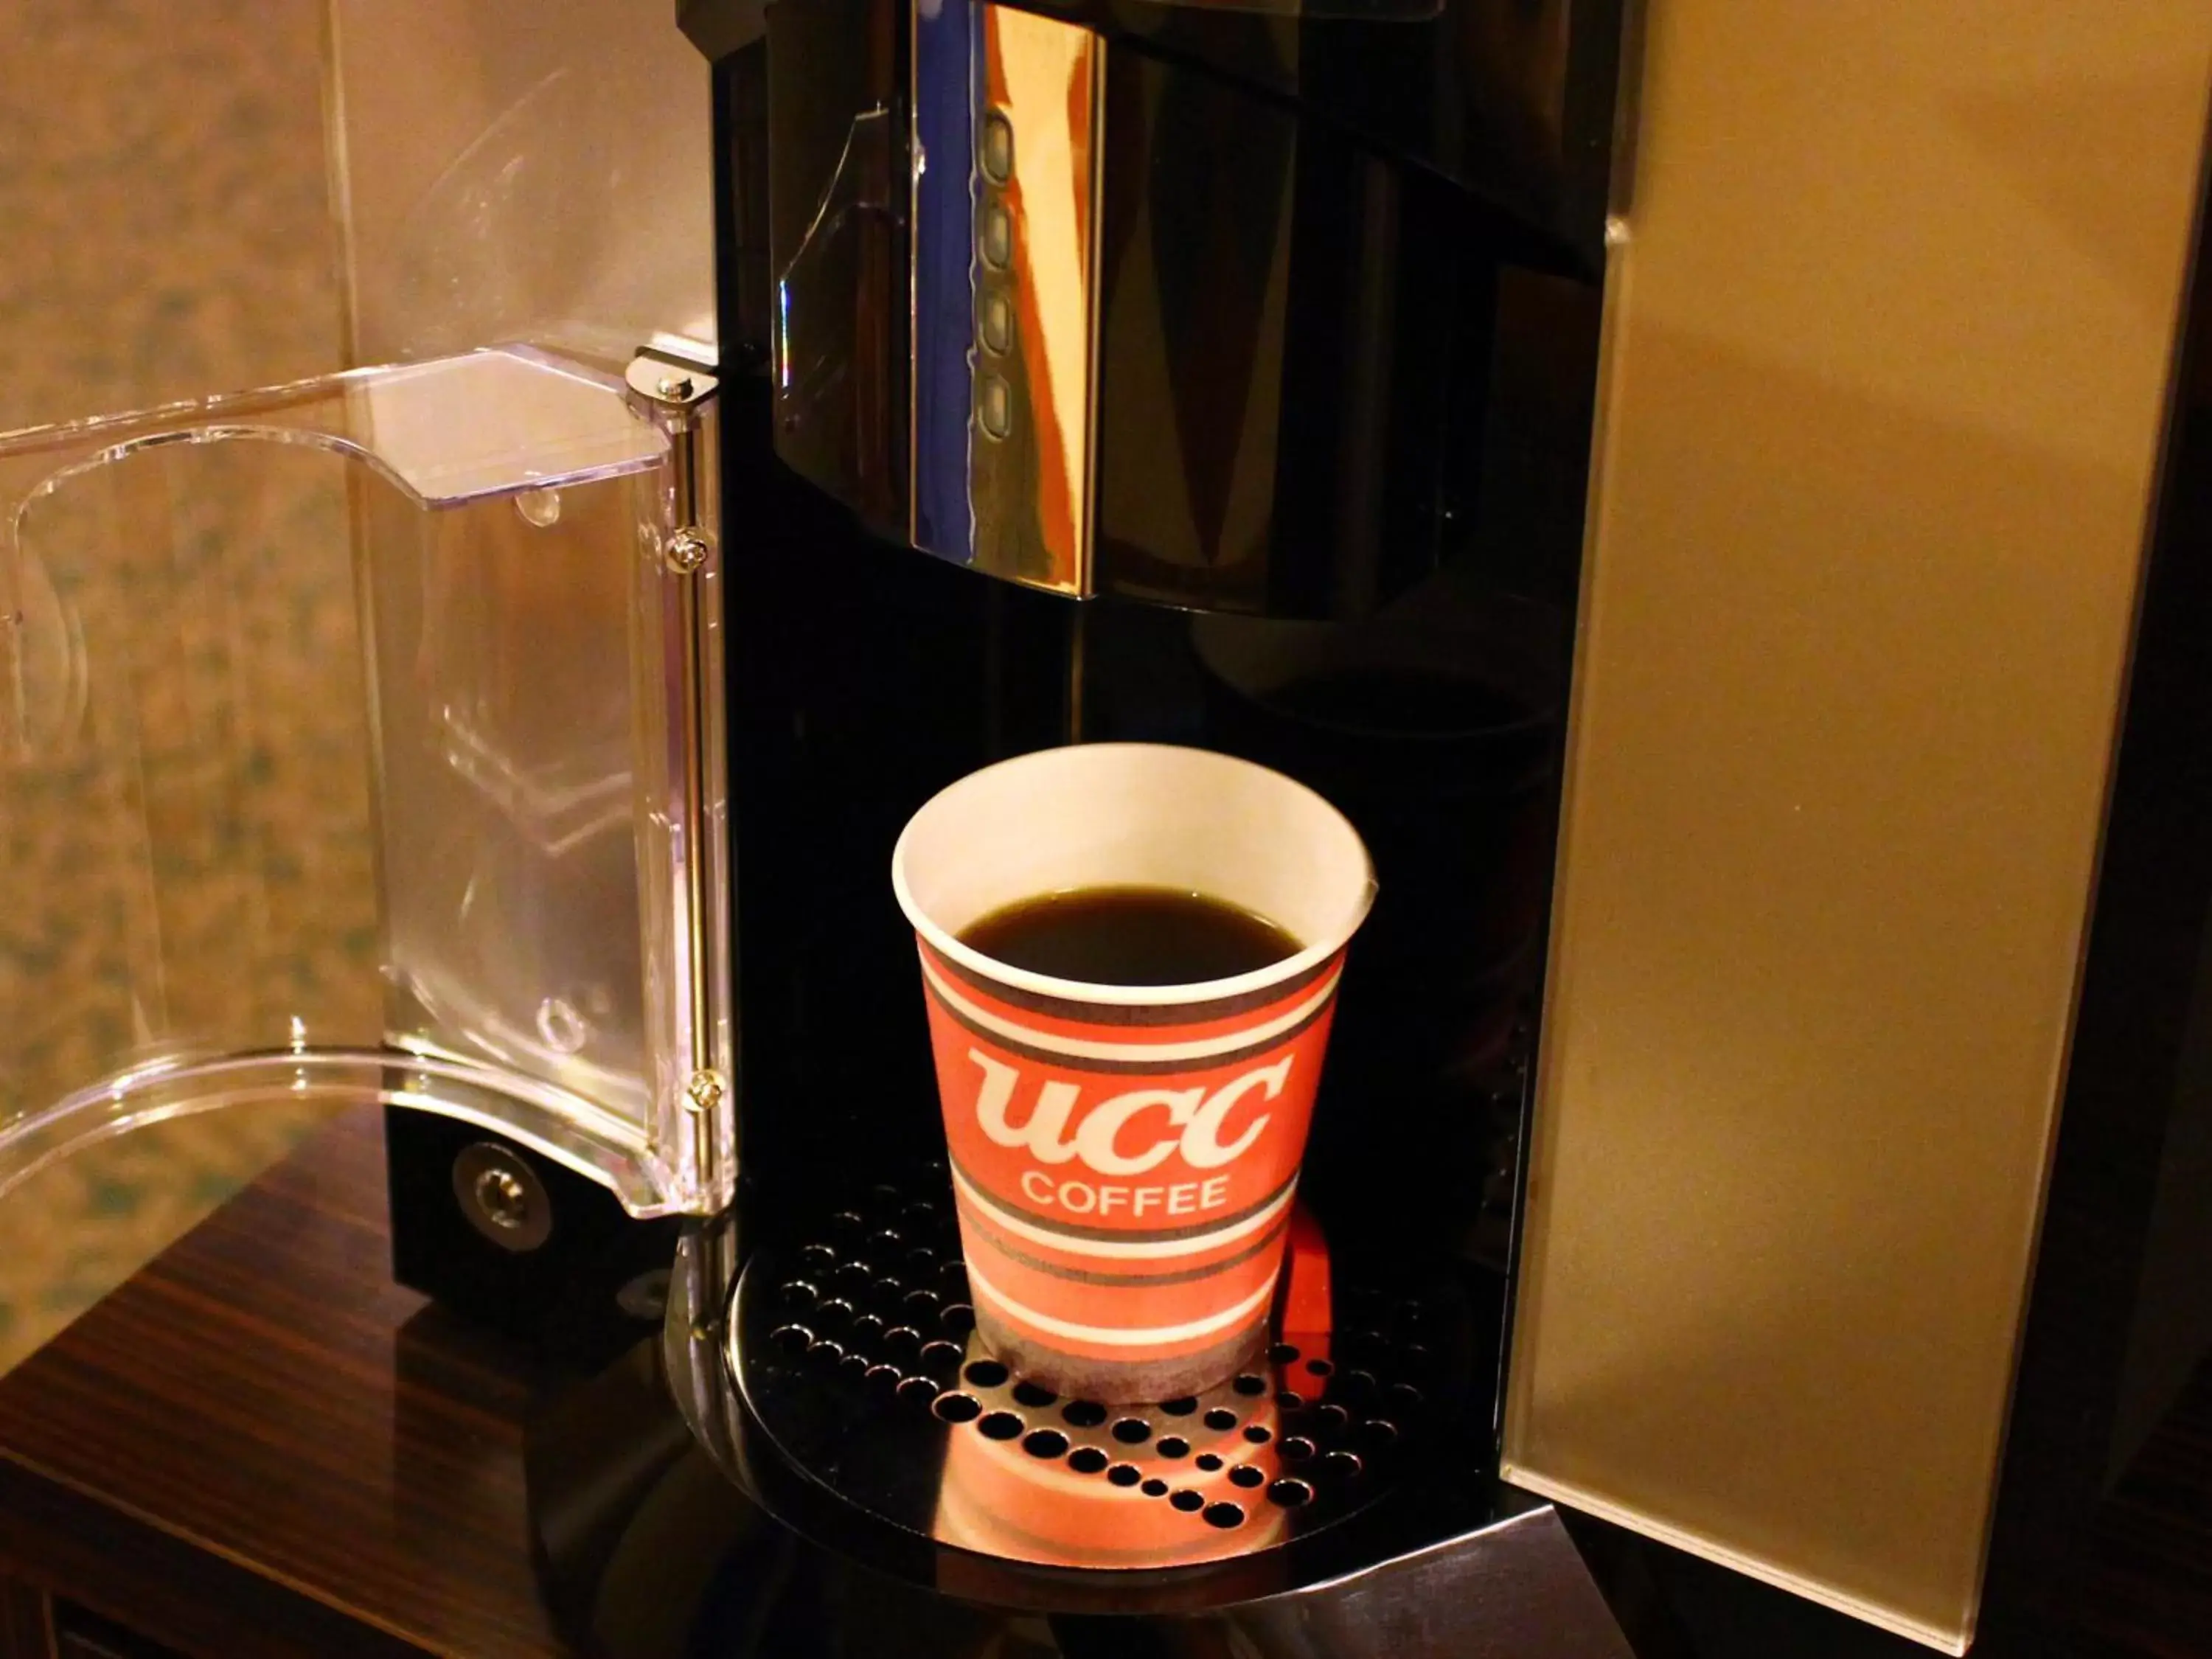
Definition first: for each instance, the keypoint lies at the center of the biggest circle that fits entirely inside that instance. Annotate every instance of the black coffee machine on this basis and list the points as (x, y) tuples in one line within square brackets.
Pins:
[(1246, 363), (1566, 436), (1204, 373)]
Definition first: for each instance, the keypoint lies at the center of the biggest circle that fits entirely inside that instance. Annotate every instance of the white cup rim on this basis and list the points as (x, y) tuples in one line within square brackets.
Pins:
[(1327, 945)]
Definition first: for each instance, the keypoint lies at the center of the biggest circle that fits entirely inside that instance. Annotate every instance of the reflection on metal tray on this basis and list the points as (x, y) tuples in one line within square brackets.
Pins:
[(857, 1353), (667, 1524)]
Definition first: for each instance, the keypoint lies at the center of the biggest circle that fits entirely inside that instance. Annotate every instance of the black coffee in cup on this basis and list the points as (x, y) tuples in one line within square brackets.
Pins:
[(1130, 936)]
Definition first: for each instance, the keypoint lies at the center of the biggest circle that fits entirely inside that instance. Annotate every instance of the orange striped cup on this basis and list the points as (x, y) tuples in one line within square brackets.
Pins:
[(1125, 1158)]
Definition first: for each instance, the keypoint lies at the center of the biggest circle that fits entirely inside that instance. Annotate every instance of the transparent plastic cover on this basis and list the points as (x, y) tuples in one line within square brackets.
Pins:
[(337, 689)]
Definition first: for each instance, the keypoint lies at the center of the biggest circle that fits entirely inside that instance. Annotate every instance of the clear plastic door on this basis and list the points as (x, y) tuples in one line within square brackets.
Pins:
[(383, 712)]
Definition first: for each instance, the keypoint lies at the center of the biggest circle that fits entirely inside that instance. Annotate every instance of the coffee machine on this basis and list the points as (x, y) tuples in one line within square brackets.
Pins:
[(1710, 497)]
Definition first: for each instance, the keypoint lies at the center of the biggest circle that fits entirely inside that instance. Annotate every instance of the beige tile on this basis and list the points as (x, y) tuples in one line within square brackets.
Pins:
[(169, 233)]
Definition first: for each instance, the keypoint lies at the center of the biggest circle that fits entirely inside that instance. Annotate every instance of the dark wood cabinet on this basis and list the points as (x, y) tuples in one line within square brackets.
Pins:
[(260, 1447)]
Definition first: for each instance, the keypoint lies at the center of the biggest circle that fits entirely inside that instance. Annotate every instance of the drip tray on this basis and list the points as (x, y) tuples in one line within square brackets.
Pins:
[(858, 1355)]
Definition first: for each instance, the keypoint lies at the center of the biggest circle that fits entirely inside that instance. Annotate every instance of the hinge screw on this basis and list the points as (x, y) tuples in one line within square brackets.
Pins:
[(503, 1199), (704, 1092), (686, 551)]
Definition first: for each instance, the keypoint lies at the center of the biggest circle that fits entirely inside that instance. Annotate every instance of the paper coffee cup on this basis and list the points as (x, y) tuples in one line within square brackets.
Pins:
[(1125, 1158)]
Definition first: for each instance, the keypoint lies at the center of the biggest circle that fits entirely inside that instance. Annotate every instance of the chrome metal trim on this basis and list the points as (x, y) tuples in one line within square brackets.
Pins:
[(679, 397), (1007, 112)]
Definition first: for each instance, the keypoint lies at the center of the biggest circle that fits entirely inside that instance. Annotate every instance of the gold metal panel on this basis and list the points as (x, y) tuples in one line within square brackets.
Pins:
[(1036, 285), (1887, 349)]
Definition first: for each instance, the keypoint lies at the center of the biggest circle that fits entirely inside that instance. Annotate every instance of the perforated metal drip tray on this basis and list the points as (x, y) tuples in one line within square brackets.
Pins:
[(857, 1354)]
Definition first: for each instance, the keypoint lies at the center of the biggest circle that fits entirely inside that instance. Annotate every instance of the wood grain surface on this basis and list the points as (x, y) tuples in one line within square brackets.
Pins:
[(27, 1630), (261, 1446), (2149, 1594)]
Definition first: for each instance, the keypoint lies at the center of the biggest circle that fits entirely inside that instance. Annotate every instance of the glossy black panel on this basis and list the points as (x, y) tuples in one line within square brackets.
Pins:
[(1513, 100), (1436, 729), (744, 257), (1303, 227), (836, 149), (1276, 362)]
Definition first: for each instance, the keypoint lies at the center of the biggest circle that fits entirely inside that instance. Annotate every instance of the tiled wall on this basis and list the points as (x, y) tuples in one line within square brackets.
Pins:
[(165, 231)]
